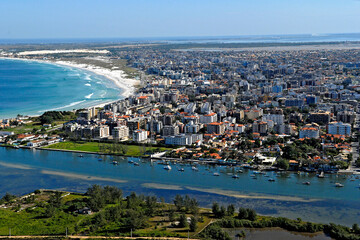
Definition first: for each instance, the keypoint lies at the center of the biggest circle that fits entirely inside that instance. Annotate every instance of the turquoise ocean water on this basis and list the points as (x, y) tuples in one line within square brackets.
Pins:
[(31, 87)]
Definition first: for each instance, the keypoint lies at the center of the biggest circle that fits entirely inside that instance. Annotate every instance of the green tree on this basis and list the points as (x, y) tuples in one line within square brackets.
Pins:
[(171, 216), (135, 219), (243, 213), (183, 221), (356, 228), (282, 163), (7, 198), (96, 198), (251, 214), (55, 199), (193, 224), (179, 202), (49, 211), (230, 210), (222, 212), (215, 209)]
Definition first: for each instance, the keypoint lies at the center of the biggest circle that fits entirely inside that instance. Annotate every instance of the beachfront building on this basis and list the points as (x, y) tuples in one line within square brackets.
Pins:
[(140, 135), (120, 133), (335, 128), (37, 143), (309, 131)]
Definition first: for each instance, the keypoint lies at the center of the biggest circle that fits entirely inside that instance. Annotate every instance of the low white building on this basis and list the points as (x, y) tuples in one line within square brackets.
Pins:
[(264, 159), (183, 139), (37, 143)]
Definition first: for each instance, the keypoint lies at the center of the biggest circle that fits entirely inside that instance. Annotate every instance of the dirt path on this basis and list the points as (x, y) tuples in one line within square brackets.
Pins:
[(91, 237)]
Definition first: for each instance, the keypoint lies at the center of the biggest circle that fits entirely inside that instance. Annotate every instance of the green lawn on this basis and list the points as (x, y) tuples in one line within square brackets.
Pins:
[(28, 128), (130, 150), (25, 128)]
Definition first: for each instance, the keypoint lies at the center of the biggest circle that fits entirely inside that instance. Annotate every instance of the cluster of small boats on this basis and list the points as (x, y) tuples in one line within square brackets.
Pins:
[(234, 173)]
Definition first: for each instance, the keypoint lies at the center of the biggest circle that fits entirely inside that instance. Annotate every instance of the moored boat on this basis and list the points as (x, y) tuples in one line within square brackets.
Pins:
[(194, 168), (321, 175)]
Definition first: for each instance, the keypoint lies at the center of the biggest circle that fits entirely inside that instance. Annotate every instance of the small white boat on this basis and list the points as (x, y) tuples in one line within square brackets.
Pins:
[(216, 174), (114, 162), (338, 185), (306, 183), (271, 180), (195, 168), (181, 170), (136, 164), (167, 167), (321, 175), (235, 176)]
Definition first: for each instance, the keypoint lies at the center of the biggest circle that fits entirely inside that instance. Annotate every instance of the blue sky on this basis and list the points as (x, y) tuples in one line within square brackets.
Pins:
[(164, 18)]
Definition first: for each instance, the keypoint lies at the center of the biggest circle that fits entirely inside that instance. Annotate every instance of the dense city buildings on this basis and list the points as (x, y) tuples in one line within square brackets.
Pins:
[(235, 104)]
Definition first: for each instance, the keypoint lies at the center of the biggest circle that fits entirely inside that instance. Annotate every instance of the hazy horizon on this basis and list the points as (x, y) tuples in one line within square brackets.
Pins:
[(40, 19)]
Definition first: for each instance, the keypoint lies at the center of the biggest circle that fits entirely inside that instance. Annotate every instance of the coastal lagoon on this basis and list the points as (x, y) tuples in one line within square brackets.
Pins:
[(33, 87), (24, 170)]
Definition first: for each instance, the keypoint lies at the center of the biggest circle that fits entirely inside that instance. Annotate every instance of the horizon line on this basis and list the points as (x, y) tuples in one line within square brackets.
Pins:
[(182, 36)]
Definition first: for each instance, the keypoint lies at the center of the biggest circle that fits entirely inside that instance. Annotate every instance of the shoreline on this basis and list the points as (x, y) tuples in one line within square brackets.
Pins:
[(116, 76)]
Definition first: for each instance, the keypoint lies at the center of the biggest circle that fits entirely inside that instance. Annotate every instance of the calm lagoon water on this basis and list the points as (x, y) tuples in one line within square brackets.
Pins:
[(31, 87), (23, 170), (275, 233)]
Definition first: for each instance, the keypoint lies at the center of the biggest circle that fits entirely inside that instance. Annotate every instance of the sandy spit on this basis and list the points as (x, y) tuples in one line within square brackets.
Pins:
[(80, 176)]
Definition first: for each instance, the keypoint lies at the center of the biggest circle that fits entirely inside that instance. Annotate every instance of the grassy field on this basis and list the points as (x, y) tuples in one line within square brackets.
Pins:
[(130, 150), (29, 127), (33, 219)]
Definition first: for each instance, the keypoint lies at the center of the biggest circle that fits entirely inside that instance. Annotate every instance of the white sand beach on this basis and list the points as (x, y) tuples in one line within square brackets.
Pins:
[(42, 52), (116, 75)]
